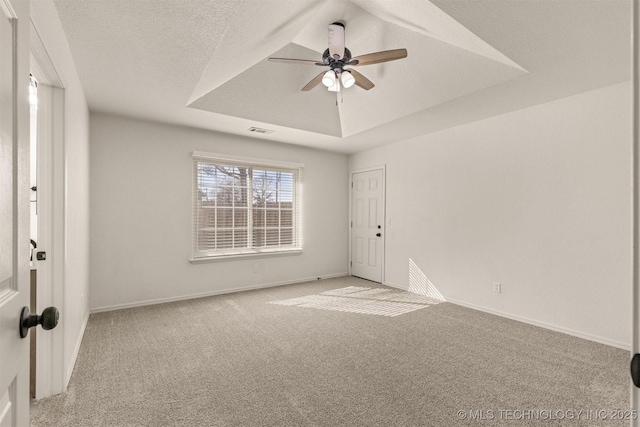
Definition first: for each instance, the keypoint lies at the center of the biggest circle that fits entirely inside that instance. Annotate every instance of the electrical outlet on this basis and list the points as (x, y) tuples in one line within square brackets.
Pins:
[(497, 287), (256, 268)]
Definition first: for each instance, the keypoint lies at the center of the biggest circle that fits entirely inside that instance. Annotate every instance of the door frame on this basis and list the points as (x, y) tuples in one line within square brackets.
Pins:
[(50, 367), (384, 215)]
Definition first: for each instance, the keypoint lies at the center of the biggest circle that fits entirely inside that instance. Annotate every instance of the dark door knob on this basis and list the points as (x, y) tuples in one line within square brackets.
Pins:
[(378, 234), (48, 320), (635, 369)]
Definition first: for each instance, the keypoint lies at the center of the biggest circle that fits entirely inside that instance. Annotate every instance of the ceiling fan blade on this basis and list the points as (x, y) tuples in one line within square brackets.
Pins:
[(336, 40), (315, 82), (378, 57), (296, 61), (361, 80)]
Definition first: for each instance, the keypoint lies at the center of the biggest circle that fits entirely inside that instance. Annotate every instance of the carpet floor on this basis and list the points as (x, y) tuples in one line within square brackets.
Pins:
[(252, 359)]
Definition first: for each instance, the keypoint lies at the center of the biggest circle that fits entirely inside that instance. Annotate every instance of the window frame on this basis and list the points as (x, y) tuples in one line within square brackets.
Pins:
[(223, 160)]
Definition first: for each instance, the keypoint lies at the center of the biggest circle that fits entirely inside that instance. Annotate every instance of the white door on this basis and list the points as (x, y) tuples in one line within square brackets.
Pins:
[(635, 319), (367, 224), (14, 210)]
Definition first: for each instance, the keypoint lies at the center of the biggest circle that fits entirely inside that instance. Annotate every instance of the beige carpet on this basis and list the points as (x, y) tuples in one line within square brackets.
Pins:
[(241, 360)]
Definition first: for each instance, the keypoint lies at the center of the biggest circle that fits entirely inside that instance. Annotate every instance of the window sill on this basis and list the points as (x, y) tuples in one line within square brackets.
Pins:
[(247, 255)]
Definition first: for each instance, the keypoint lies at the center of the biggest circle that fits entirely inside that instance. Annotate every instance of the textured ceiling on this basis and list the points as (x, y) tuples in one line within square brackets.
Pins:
[(204, 63)]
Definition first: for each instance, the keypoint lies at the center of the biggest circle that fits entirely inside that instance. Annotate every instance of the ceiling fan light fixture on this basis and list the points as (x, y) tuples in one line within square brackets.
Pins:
[(347, 79), (329, 78), (335, 87)]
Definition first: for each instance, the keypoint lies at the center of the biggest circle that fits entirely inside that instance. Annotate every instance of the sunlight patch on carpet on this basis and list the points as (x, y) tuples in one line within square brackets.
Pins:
[(357, 299)]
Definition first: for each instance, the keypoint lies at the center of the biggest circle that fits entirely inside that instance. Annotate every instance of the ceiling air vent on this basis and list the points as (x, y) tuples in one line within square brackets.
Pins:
[(260, 130)]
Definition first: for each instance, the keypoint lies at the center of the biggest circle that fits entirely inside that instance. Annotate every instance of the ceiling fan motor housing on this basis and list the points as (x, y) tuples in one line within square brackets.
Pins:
[(336, 63)]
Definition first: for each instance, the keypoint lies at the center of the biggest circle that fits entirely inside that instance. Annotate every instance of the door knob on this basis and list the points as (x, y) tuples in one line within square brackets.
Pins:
[(378, 234), (635, 369), (48, 320)]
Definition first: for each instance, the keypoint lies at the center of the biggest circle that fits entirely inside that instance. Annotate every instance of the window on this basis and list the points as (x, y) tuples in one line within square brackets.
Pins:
[(243, 207)]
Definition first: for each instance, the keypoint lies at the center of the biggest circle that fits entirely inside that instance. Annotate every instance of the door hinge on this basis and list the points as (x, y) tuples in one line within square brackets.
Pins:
[(351, 263)]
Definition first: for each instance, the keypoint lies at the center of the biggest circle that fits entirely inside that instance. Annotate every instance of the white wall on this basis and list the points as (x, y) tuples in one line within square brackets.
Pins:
[(74, 206), (141, 214), (538, 200)]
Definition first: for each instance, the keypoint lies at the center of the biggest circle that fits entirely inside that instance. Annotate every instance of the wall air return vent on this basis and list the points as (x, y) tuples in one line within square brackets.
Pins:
[(260, 130)]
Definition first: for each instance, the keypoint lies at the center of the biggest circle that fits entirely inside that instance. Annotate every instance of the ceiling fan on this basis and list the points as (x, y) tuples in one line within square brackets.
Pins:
[(337, 56)]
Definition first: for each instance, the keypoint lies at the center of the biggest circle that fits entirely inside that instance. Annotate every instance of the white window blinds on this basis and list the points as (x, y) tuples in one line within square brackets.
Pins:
[(244, 207)]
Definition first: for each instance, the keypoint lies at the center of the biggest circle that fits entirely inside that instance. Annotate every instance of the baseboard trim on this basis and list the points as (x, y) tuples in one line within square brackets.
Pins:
[(567, 331), (393, 285), (76, 350), (212, 293)]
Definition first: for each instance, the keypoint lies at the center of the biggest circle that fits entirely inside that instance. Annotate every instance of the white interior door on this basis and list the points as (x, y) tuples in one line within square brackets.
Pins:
[(14, 211), (367, 224), (635, 326)]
